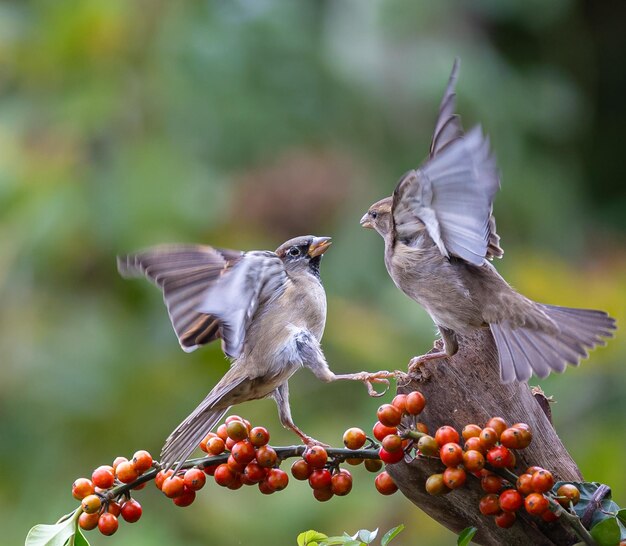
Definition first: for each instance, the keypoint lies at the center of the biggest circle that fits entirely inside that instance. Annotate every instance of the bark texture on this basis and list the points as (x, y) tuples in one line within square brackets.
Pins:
[(466, 389)]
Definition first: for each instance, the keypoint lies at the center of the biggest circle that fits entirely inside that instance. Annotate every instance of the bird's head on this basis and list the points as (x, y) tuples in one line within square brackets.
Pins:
[(378, 216), (303, 253)]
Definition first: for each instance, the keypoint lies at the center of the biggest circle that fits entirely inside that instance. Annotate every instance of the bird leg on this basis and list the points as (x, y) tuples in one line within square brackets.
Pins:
[(450, 347), (281, 397), (369, 379)]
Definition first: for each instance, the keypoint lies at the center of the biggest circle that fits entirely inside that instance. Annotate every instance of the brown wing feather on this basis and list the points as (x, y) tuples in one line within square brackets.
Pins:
[(184, 273)]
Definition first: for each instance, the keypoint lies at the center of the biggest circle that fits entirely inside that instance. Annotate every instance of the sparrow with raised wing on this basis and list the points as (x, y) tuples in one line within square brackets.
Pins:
[(269, 310), (440, 235)]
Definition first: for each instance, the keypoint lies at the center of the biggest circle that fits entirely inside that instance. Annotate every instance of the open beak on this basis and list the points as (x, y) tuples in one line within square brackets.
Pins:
[(365, 221), (319, 246)]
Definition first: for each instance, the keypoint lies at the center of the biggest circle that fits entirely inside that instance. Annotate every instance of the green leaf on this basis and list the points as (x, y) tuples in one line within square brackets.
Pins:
[(466, 536), (310, 538), (366, 536), (78, 539), (53, 535), (621, 516), (391, 534), (607, 532)]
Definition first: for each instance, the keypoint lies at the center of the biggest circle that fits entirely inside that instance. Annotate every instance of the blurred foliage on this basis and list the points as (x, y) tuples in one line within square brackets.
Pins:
[(125, 124)]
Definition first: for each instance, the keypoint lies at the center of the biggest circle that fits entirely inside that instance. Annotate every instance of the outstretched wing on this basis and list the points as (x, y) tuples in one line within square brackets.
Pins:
[(184, 273), (448, 127), (234, 298), (451, 194)]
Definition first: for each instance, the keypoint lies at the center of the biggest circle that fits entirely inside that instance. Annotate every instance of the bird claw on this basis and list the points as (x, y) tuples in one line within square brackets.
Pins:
[(381, 378), (418, 361)]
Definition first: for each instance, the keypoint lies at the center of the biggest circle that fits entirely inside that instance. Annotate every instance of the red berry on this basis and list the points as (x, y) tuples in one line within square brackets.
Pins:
[(505, 520), (224, 476), (114, 508), (254, 473), (470, 431), (243, 452), (259, 436), (142, 461), (185, 498), (103, 477), (160, 477), (435, 485), (234, 465), (209, 470), (392, 443), (499, 457), (88, 521), (532, 469), (277, 479), (237, 482), (230, 443), (489, 505), (173, 486), (354, 438), (117, 461), (265, 488), (415, 403), (237, 430), (542, 481), (373, 465), (205, 441), (488, 437), (451, 454), (389, 415), (498, 424), (474, 444), (341, 483), (421, 427), (454, 477), (399, 401), (385, 484), (222, 432), (194, 479), (323, 495), (266, 456), (473, 461), (446, 435), (215, 446), (511, 500), (81, 488), (131, 511), (524, 484), (380, 431), (320, 479), (548, 515), (125, 472), (428, 446), (536, 504), (316, 456), (568, 493), (390, 457), (491, 483), (91, 504), (300, 470), (107, 524)]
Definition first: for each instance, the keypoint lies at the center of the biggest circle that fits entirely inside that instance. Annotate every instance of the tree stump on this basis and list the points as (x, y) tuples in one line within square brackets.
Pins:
[(466, 389)]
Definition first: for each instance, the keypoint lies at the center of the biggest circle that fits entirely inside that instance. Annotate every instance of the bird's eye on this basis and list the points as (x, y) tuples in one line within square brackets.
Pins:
[(294, 251), (373, 214)]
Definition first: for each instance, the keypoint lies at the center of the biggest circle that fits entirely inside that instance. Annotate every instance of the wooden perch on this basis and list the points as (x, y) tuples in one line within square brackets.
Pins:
[(466, 389)]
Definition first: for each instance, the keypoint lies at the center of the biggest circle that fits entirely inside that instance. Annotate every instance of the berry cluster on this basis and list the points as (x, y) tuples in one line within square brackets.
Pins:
[(251, 461), (102, 510), (396, 439)]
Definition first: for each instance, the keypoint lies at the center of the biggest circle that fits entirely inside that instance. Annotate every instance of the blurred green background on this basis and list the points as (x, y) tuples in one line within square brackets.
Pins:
[(241, 124)]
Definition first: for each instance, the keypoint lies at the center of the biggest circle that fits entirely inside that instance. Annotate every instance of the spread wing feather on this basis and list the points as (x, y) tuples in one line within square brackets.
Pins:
[(183, 273)]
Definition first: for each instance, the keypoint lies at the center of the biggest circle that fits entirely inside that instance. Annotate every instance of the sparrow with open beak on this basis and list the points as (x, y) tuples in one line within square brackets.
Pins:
[(269, 310), (440, 234)]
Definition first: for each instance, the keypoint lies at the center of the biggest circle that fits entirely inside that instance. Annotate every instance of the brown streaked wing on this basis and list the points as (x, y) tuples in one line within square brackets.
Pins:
[(184, 273)]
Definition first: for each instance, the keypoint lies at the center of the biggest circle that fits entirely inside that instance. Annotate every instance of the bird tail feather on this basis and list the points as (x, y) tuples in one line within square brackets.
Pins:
[(524, 351), (187, 436)]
